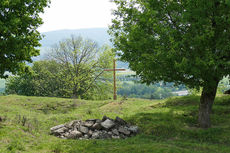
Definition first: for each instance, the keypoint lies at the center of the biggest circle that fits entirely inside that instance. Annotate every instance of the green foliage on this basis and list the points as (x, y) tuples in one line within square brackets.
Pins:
[(15, 145), (165, 125), (175, 41), (49, 78), (185, 42), (45, 80), (75, 68), (19, 20), (84, 62)]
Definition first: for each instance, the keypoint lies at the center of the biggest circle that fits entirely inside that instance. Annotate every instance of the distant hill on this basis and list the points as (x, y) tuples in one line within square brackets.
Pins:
[(99, 35), (51, 38)]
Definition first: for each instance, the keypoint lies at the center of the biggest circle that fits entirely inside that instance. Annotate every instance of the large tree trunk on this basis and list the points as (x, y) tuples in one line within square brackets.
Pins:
[(206, 102)]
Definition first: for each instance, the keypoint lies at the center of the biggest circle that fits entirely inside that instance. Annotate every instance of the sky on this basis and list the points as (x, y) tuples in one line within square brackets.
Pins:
[(76, 14)]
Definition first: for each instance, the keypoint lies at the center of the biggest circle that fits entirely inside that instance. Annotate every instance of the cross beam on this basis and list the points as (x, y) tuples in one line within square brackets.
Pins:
[(114, 78)]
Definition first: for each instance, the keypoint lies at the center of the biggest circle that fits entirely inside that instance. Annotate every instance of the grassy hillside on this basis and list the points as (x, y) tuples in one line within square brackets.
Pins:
[(166, 126)]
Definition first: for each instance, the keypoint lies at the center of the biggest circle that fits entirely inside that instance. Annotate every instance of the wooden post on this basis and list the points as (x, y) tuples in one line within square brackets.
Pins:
[(114, 78)]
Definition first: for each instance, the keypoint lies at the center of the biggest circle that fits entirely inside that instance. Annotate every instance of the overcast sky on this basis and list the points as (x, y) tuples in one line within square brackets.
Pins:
[(77, 14)]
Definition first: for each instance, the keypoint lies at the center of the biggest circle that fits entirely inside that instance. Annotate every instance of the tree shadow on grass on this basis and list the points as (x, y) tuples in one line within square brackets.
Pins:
[(157, 124), (170, 126)]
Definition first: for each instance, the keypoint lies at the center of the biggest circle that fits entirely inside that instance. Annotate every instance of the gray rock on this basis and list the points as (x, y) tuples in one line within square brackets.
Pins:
[(74, 134), (66, 134), (60, 130), (86, 136), (88, 123), (77, 126), (83, 129), (90, 132), (107, 124), (57, 127), (95, 135), (97, 126), (72, 123), (95, 129), (110, 133), (115, 131), (104, 135), (124, 131), (77, 133), (120, 121), (133, 129)]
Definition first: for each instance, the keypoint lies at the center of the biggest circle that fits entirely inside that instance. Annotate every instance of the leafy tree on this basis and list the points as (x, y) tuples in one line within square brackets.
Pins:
[(84, 61), (19, 20), (181, 41)]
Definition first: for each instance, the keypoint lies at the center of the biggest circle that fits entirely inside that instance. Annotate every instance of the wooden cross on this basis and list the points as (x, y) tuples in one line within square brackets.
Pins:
[(114, 78)]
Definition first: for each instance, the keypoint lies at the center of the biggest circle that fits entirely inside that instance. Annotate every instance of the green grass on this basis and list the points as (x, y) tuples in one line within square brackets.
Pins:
[(166, 126)]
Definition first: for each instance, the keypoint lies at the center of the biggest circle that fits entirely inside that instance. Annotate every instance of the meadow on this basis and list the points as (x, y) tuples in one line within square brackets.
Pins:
[(168, 125)]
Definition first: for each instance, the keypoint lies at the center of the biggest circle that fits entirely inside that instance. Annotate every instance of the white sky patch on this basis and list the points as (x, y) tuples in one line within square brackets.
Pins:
[(77, 14)]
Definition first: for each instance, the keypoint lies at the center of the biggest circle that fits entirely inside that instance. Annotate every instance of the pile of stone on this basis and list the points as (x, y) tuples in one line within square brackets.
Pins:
[(106, 128)]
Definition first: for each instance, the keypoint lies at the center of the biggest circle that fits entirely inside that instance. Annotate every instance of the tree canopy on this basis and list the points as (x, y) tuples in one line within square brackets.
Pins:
[(19, 20), (83, 61), (74, 68), (186, 42)]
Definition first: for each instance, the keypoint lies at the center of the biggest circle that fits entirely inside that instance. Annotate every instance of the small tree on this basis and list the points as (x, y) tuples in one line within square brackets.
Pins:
[(19, 20), (181, 41)]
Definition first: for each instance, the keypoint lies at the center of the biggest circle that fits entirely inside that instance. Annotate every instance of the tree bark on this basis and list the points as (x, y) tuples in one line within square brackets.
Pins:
[(206, 101)]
